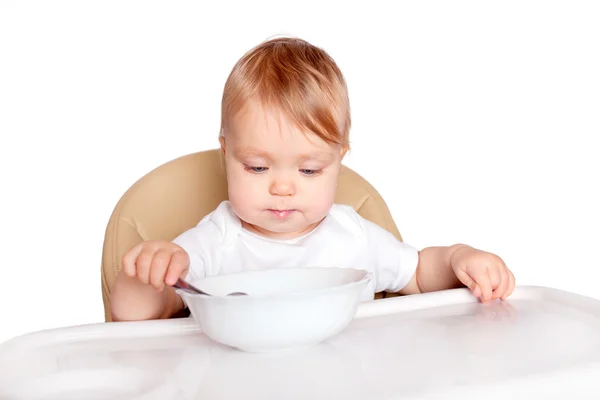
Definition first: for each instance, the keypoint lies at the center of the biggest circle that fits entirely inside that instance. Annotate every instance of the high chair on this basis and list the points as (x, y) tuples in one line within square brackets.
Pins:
[(175, 196)]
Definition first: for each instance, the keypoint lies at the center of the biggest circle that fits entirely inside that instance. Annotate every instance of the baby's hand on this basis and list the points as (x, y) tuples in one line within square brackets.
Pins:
[(484, 273), (157, 263)]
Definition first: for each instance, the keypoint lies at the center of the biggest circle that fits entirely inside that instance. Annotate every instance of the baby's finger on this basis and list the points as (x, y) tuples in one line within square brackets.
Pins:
[(511, 285), (468, 282), (481, 277), (128, 261), (476, 290), (180, 263), (143, 263), (501, 289), (158, 269), (495, 277)]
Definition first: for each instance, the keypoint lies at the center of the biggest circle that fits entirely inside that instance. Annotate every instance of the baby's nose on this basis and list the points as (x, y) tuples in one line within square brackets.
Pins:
[(282, 187)]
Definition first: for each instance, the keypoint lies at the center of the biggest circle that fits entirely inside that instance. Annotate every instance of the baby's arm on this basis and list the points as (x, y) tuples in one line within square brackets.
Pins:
[(433, 271), (143, 288), (460, 265), (401, 268)]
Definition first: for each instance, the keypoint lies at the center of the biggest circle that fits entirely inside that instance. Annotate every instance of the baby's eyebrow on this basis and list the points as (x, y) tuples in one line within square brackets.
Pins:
[(249, 152), (319, 156)]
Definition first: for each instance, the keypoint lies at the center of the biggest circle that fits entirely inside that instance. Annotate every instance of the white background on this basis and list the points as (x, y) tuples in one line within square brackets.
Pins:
[(475, 120)]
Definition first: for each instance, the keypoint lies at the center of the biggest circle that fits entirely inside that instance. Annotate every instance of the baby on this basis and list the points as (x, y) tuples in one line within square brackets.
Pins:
[(284, 132)]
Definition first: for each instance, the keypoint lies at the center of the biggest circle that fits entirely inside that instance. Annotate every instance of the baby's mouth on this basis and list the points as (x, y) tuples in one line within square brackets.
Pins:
[(281, 214)]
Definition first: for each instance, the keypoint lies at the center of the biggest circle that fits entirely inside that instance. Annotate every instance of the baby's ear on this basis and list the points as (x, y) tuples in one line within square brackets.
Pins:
[(223, 146), (343, 152)]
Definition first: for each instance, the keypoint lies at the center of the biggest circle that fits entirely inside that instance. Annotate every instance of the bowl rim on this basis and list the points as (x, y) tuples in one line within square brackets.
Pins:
[(366, 278)]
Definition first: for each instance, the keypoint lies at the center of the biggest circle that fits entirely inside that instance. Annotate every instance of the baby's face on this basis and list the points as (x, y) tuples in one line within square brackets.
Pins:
[(281, 181)]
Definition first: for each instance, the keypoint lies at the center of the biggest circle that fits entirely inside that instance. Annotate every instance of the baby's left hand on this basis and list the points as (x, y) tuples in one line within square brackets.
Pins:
[(484, 273)]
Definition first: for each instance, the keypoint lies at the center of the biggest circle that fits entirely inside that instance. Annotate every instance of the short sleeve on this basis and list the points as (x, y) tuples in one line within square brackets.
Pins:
[(203, 241), (394, 263)]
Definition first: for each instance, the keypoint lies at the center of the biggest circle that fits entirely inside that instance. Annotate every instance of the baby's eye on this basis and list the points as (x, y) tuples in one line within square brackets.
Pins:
[(310, 171), (258, 170)]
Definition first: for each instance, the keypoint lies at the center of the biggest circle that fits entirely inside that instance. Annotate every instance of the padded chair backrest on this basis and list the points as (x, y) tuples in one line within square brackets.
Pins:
[(175, 196)]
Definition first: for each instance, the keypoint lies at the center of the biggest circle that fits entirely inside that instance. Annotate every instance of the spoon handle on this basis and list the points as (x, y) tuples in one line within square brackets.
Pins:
[(183, 285)]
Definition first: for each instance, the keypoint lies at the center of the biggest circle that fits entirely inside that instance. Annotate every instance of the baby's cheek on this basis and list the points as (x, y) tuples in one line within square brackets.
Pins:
[(321, 196), (244, 191)]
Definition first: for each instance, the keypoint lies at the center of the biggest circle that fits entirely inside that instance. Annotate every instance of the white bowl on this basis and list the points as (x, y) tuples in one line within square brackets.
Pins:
[(285, 308)]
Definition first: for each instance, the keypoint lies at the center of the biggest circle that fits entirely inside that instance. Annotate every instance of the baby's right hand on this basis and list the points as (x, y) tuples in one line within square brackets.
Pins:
[(157, 263)]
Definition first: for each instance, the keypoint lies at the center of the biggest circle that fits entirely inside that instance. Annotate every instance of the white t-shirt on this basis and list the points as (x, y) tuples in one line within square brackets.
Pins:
[(220, 245)]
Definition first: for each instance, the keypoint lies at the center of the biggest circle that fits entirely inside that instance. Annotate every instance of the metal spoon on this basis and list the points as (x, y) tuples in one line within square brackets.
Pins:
[(183, 285)]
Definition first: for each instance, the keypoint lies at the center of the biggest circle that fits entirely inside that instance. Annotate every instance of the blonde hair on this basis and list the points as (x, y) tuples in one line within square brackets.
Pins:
[(296, 78)]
